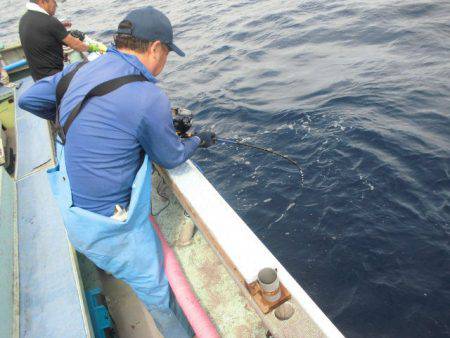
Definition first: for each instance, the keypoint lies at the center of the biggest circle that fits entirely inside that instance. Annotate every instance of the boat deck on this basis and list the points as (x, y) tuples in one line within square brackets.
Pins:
[(51, 303), (9, 306), (216, 290), (214, 287), (50, 286)]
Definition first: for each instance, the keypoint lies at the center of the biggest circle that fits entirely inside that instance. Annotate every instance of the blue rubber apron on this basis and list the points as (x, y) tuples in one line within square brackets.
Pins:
[(130, 250)]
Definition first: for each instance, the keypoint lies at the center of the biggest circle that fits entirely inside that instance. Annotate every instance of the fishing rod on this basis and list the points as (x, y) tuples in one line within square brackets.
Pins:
[(182, 121), (270, 151)]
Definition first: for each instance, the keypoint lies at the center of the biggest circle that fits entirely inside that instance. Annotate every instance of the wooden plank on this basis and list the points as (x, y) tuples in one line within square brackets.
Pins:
[(52, 301), (7, 258), (80, 289), (266, 306), (131, 318), (34, 148), (50, 304)]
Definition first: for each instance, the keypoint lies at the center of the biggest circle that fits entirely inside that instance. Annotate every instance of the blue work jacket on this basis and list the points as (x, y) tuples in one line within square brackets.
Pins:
[(105, 144)]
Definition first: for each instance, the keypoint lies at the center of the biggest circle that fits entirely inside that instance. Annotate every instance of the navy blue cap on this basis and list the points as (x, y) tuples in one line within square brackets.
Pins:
[(149, 24)]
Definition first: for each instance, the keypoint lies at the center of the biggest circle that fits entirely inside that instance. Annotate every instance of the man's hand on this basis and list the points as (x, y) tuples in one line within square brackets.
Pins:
[(97, 47), (75, 44), (207, 138), (66, 23)]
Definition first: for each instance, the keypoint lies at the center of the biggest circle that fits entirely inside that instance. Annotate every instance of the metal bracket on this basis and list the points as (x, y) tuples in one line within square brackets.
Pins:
[(264, 305)]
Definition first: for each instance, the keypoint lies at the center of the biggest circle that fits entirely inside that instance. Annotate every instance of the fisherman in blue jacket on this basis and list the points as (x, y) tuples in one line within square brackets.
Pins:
[(112, 122)]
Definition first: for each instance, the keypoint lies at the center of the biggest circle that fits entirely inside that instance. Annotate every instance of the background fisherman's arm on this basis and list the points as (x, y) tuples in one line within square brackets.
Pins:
[(158, 137), (40, 98), (75, 44)]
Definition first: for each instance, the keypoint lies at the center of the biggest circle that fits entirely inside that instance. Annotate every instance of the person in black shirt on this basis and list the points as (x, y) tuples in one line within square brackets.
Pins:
[(42, 37)]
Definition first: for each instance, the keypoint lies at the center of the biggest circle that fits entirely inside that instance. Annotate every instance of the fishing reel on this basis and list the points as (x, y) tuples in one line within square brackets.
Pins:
[(182, 121), (78, 34)]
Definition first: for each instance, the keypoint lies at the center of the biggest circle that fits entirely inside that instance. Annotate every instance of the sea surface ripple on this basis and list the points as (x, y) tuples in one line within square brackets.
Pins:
[(358, 93)]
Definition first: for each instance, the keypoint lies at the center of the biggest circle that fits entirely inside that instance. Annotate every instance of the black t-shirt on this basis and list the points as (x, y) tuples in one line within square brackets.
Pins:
[(41, 36)]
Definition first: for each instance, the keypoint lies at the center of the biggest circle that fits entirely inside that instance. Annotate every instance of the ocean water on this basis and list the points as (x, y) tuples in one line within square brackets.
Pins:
[(358, 92)]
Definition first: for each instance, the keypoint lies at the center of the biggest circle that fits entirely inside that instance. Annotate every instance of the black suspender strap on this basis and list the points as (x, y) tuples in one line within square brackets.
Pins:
[(64, 83), (100, 90), (61, 90)]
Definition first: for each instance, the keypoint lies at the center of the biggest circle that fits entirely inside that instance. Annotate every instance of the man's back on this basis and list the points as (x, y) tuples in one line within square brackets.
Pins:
[(106, 142), (41, 36), (102, 149)]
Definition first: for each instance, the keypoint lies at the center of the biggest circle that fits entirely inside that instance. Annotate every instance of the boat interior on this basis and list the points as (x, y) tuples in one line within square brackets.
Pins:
[(47, 289)]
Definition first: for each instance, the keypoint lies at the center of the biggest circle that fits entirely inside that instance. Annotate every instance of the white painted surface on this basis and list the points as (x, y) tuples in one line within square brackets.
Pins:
[(245, 250), (7, 255), (51, 297)]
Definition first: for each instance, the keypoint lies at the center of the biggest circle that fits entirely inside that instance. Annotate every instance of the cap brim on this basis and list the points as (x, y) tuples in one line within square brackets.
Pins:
[(174, 48)]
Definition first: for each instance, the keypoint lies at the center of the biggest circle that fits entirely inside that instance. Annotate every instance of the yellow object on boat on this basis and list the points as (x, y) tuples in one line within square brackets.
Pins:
[(7, 107)]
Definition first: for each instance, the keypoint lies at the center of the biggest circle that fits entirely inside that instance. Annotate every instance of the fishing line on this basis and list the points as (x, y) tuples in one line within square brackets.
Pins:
[(182, 122), (239, 143)]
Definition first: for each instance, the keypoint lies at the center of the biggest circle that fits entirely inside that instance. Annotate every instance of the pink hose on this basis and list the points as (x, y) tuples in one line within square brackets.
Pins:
[(195, 314)]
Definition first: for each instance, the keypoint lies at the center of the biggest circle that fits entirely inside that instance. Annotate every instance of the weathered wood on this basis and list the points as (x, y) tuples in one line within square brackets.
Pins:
[(266, 306), (34, 147), (243, 253), (8, 257), (201, 224), (131, 318), (51, 295), (216, 289)]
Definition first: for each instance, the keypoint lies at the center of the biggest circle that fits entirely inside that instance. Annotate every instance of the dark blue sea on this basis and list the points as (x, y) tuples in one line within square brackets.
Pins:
[(358, 92)]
